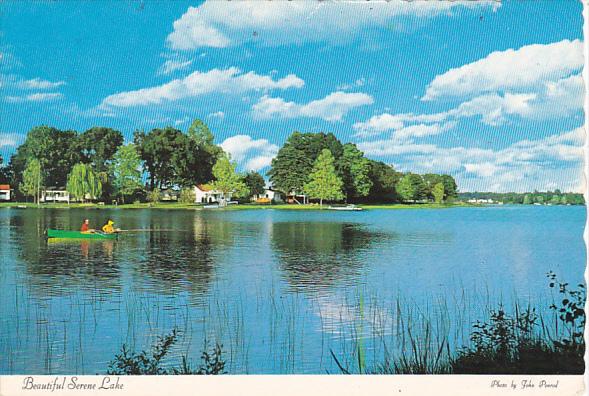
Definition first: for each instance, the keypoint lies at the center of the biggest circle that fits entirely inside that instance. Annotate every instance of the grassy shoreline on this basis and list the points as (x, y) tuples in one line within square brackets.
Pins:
[(182, 206)]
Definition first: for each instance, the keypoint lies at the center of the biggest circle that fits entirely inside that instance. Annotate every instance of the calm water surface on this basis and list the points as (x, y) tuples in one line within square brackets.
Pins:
[(279, 289)]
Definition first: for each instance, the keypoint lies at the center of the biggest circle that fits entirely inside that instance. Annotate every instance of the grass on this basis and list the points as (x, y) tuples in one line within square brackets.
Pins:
[(184, 206)]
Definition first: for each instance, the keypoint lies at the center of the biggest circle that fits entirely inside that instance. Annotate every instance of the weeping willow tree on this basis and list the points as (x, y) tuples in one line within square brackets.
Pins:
[(82, 182)]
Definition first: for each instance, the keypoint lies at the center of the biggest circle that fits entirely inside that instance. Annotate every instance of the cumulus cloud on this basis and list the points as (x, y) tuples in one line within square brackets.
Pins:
[(535, 82), (221, 24), (172, 65), (331, 108), (230, 80), (35, 97), (514, 70), (251, 153), (550, 162), (38, 83)]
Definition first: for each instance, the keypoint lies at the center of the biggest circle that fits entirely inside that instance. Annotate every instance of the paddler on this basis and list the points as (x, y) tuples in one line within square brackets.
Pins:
[(86, 226), (108, 227)]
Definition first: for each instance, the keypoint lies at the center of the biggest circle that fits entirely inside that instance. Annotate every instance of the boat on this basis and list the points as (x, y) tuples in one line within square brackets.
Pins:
[(344, 207), (63, 234), (212, 206)]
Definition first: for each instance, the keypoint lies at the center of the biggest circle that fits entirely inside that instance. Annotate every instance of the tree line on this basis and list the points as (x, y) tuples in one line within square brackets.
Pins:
[(98, 165), (320, 166), (555, 197)]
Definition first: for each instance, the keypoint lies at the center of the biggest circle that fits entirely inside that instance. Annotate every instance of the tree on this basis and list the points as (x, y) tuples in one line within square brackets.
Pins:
[(384, 178), (227, 181), (200, 133), (355, 169), (527, 200), (295, 160), (411, 187), (157, 149), (83, 182), (57, 152), (154, 196), (187, 195), (438, 193), (563, 200), (99, 145), (324, 183), (255, 183), (32, 179), (4, 172), (450, 187), (125, 171), (555, 200)]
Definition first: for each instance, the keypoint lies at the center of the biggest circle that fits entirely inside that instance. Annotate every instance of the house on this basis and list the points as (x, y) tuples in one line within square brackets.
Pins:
[(55, 196), (300, 199), (5, 192), (203, 193), (269, 195)]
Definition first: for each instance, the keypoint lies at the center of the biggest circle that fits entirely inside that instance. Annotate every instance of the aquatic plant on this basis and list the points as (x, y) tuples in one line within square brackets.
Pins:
[(151, 363)]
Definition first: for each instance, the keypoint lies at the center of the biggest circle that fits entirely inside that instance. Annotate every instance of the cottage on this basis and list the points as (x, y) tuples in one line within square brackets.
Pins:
[(203, 193), (55, 196), (5, 192), (269, 195)]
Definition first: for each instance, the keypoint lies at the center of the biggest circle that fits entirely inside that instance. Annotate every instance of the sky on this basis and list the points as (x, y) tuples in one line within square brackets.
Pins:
[(488, 92)]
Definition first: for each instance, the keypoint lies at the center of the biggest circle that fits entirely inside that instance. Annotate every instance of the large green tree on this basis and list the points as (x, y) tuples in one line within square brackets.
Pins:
[(4, 172), (411, 187), (324, 183), (355, 170), (99, 145), (384, 178), (57, 152), (227, 180), (295, 160), (32, 179), (83, 183), (255, 183), (157, 150), (438, 193), (125, 171)]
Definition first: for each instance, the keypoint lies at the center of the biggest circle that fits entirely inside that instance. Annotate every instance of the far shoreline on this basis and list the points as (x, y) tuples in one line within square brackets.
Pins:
[(238, 207)]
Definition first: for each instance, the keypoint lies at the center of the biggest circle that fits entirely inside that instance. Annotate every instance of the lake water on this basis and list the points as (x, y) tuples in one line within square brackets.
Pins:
[(280, 290)]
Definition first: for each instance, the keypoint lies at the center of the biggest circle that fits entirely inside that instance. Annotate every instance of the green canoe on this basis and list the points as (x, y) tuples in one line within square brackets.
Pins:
[(79, 235)]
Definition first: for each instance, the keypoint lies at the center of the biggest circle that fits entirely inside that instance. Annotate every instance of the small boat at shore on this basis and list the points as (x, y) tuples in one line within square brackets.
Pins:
[(345, 207), (63, 234)]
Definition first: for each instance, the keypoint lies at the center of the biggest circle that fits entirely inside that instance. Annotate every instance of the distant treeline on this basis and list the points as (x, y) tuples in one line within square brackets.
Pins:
[(555, 197), (97, 165)]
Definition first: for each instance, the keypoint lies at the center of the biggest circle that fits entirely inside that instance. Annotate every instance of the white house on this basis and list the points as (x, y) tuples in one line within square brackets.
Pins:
[(205, 194), (4, 192), (55, 196), (272, 195)]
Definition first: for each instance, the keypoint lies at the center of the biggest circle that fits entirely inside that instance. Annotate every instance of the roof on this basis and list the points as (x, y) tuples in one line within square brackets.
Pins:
[(4, 186), (204, 187)]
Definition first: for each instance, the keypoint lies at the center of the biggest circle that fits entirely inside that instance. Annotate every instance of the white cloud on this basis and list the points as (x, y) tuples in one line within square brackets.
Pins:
[(356, 84), (331, 108), (172, 65), (218, 114), (36, 97), (221, 24), (556, 160), (229, 80), (521, 69), (9, 140), (38, 83), (252, 154)]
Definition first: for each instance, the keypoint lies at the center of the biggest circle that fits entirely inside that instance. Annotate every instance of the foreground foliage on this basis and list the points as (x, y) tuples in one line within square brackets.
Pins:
[(152, 362)]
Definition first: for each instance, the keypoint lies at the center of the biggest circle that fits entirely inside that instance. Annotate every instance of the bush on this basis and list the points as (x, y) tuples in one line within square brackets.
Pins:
[(150, 363), (187, 196), (154, 196)]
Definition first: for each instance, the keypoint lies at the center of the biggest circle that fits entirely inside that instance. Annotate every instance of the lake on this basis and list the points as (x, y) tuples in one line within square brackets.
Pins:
[(281, 290)]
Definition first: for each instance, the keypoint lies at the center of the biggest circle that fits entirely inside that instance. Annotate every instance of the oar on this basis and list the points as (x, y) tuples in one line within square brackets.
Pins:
[(150, 230)]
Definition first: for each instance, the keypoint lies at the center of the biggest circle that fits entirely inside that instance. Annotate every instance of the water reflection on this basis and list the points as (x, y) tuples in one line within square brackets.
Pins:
[(317, 255)]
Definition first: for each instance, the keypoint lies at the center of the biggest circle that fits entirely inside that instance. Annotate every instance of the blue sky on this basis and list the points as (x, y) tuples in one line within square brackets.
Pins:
[(490, 93)]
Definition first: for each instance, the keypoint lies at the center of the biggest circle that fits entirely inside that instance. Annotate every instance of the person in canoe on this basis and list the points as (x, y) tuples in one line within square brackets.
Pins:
[(108, 227), (86, 226)]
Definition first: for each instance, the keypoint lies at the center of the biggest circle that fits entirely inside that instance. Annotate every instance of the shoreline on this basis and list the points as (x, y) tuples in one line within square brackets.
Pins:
[(179, 206)]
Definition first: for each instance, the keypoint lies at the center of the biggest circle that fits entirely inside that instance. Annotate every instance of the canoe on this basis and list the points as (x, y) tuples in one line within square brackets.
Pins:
[(78, 235), (347, 208)]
